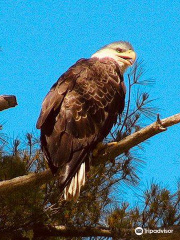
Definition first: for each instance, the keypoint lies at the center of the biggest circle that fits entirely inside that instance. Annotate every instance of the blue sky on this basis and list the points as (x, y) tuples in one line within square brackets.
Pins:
[(42, 39)]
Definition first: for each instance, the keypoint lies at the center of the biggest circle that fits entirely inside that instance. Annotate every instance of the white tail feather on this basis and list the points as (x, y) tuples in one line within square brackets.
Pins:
[(83, 183), (81, 175), (74, 185), (72, 191), (65, 193)]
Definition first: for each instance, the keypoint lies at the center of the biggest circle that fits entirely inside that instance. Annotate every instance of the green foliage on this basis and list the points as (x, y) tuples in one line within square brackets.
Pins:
[(11, 167), (160, 210), (21, 208)]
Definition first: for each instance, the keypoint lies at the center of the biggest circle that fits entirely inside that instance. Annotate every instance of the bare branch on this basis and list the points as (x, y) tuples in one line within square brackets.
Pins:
[(138, 137), (7, 101), (64, 231), (110, 152), (22, 182), (47, 231)]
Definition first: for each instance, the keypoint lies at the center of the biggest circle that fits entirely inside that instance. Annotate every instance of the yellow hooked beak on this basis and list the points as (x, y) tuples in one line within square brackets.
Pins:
[(127, 57)]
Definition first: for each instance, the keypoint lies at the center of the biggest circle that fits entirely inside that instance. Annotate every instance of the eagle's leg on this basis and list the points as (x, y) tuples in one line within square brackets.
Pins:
[(101, 146)]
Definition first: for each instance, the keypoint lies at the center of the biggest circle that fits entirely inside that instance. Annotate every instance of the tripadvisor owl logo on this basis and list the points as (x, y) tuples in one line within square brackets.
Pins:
[(138, 231)]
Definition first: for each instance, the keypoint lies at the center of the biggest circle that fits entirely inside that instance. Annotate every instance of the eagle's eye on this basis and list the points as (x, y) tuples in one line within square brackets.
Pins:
[(119, 50)]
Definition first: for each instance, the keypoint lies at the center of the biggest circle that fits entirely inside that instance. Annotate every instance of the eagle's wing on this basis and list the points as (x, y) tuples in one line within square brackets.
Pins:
[(77, 113)]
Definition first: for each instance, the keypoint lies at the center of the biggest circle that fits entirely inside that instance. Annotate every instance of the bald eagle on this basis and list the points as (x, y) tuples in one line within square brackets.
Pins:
[(80, 110)]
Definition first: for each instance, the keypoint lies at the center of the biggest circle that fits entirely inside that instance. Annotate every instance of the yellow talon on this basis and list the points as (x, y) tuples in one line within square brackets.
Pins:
[(112, 144)]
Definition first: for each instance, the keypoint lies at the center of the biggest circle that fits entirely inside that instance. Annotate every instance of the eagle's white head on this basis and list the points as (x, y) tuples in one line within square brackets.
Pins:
[(122, 52)]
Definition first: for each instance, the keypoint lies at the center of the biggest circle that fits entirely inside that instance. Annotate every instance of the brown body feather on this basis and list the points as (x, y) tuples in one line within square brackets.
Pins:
[(78, 112)]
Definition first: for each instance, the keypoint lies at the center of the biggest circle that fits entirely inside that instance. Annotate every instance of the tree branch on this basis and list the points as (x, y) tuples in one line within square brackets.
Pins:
[(63, 231), (110, 152), (22, 182), (7, 101), (48, 231), (138, 137)]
